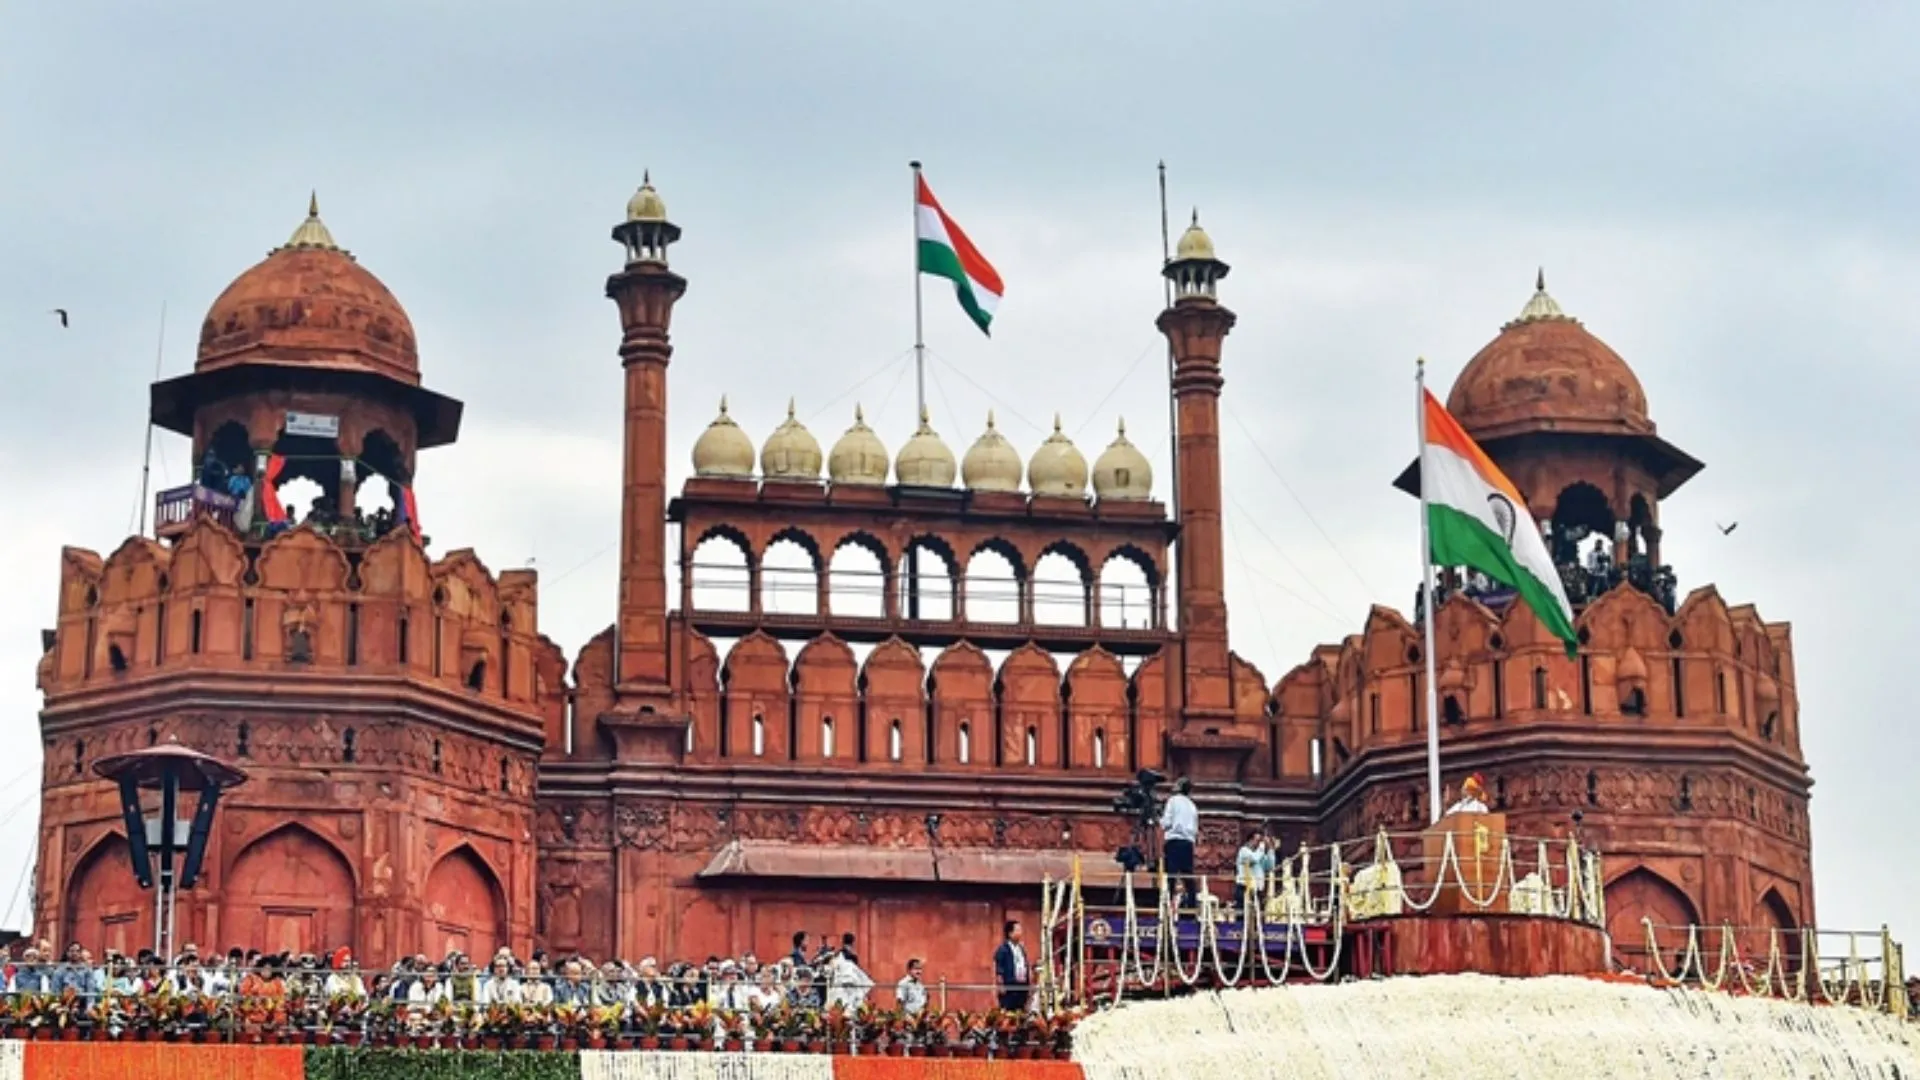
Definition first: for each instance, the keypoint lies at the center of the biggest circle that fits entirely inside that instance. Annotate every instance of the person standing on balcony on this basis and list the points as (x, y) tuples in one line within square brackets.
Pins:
[(1180, 827), (1010, 969), (911, 993)]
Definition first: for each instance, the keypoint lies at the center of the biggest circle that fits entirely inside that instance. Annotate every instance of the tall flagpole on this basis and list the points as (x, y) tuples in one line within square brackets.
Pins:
[(146, 461), (919, 386), (919, 338), (1173, 445), (1427, 601)]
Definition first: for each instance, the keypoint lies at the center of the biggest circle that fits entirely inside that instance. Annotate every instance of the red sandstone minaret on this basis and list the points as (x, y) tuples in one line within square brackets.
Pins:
[(646, 723), (645, 290), (1204, 741)]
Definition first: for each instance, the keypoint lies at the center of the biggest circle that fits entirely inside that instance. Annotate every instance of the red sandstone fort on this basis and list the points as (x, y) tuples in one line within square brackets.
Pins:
[(907, 759)]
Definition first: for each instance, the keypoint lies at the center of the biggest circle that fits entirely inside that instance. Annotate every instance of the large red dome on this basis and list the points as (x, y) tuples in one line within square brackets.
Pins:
[(309, 304), (1546, 372)]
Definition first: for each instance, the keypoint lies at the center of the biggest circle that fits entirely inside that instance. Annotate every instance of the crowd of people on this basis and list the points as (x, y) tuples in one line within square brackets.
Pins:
[(809, 977)]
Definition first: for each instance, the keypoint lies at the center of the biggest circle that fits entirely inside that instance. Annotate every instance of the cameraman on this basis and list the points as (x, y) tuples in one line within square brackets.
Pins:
[(1180, 827)]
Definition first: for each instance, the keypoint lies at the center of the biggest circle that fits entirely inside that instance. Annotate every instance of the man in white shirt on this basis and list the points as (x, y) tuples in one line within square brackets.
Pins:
[(1180, 827), (911, 992)]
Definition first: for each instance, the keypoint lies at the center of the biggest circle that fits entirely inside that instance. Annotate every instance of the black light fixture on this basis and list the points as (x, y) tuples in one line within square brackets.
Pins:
[(172, 770)]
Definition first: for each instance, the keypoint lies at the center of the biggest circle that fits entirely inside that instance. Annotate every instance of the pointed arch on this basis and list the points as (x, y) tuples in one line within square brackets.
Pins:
[(962, 679), (292, 889), (756, 678), (857, 576), (894, 686), (1643, 893), (1029, 699), (826, 687), (1097, 709), (103, 908), (465, 905)]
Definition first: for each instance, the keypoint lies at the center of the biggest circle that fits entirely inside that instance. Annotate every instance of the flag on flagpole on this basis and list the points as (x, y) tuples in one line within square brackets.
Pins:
[(1476, 518), (946, 252)]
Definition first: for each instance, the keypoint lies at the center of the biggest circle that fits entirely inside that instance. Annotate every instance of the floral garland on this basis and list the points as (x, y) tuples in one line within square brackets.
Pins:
[(614, 1065), (158, 1061), (1481, 1026)]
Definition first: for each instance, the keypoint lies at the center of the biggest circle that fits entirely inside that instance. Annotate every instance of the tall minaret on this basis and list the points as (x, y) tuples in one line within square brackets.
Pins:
[(646, 291), (1195, 326)]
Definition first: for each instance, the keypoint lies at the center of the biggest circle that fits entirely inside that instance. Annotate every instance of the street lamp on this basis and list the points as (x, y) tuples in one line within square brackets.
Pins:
[(172, 770)]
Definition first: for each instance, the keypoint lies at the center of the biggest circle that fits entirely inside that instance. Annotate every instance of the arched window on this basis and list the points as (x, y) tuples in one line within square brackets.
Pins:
[(1316, 760), (1099, 749), (759, 736), (1539, 688), (721, 580), (1033, 746), (826, 736), (966, 743), (346, 745), (193, 633), (893, 741)]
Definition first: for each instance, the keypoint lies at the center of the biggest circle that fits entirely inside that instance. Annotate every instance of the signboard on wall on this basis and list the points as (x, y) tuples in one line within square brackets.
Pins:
[(318, 425)]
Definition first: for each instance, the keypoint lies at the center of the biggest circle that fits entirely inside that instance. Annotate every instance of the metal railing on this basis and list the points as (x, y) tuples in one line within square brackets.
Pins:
[(1854, 967)]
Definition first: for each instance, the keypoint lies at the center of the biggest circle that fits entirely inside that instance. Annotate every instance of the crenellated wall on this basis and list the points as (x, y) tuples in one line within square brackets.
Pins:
[(388, 709), (1674, 738)]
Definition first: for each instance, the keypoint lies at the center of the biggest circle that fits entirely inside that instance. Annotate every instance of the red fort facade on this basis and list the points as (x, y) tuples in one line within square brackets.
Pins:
[(906, 756)]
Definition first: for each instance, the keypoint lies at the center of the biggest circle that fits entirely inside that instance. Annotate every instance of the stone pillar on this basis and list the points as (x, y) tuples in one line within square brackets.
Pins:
[(1196, 326), (348, 486), (645, 292)]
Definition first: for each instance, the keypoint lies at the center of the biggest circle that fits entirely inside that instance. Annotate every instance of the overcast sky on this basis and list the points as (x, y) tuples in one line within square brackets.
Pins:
[(1727, 201)]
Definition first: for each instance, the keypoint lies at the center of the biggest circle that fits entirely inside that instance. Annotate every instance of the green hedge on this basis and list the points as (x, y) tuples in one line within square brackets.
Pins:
[(349, 1063)]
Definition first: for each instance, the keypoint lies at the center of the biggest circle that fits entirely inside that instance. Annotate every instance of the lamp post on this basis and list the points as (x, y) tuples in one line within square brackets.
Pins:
[(172, 770)]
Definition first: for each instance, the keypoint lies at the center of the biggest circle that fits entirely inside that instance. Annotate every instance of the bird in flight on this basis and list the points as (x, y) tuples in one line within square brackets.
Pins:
[(1726, 530), (62, 312)]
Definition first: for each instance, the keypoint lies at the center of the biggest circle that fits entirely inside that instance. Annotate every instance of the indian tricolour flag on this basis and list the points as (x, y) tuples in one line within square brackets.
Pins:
[(946, 252), (1476, 518)]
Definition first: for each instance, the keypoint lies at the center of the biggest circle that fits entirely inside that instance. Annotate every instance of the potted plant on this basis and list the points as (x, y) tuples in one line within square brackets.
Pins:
[(927, 1030), (1006, 1032), (380, 1020), (813, 1031), (541, 1019), (1060, 1035), (650, 1018), (1036, 1036), (699, 1027), (839, 1029), (733, 1031), (674, 1029)]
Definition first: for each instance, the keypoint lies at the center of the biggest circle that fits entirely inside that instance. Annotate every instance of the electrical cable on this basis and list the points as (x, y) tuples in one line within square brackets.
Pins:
[(1131, 368), (991, 396), (1298, 501), (1284, 557), (858, 383)]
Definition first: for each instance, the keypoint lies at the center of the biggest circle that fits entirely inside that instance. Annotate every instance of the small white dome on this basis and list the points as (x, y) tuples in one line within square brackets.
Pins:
[(1058, 468), (1194, 243), (791, 452), (859, 458), (991, 464), (925, 461), (646, 204), (723, 449), (1122, 472)]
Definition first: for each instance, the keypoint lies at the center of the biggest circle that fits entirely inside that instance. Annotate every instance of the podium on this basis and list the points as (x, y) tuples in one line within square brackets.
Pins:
[(1477, 842)]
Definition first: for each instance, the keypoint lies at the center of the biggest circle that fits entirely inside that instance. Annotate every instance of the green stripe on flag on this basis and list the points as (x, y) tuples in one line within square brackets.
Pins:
[(940, 260), (1459, 539)]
